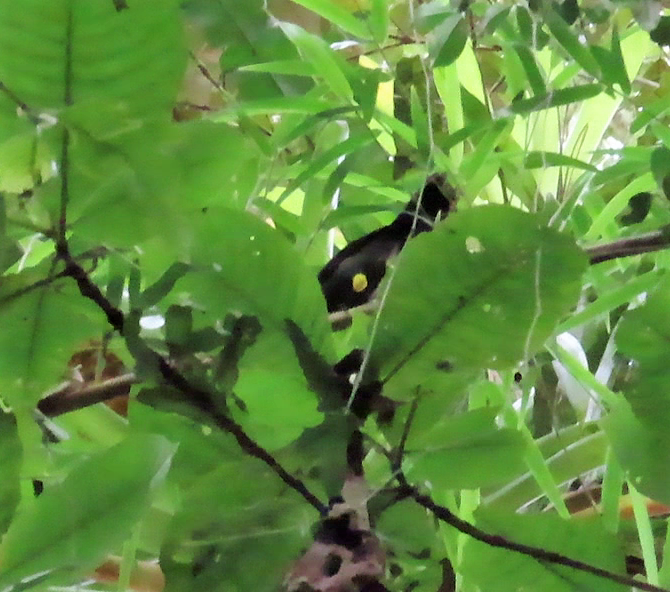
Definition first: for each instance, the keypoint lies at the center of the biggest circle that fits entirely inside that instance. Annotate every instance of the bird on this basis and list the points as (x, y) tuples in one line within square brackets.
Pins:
[(352, 276)]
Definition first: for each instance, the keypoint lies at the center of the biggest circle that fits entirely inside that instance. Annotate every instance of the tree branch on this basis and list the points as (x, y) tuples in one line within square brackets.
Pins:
[(201, 399), (494, 540), (72, 397), (634, 245)]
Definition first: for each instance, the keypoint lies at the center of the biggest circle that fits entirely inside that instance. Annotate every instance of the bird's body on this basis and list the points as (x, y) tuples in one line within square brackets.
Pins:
[(351, 277)]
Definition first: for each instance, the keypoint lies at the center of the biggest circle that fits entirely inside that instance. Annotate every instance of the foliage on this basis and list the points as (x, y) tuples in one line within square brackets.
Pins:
[(172, 178)]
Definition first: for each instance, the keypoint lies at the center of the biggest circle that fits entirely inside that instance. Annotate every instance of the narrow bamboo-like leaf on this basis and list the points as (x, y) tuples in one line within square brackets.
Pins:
[(533, 73), (279, 105), (288, 67), (451, 36), (611, 299), (161, 287), (337, 15), (621, 75), (474, 162), (379, 20), (563, 96), (324, 61), (75, 523), (331, 155), (420, 125), (564, 35), (540, 160)]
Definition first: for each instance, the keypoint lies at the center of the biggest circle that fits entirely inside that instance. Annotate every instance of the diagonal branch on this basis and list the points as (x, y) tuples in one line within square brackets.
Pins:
[(445, 515), (201, 399)]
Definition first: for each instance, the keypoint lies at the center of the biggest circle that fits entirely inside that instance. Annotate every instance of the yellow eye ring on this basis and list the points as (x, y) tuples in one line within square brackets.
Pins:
[(359, 282)]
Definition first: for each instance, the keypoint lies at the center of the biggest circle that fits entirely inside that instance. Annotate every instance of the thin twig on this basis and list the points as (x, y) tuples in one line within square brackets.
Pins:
[(397, 461), (494, 540)]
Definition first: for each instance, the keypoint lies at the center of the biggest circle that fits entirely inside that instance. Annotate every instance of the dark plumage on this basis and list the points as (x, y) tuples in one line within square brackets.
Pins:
[(351, 277)]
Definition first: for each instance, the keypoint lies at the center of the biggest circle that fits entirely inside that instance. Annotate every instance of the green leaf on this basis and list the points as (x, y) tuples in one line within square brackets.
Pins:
[(464, 452), (660, 167), (337, 15), (73, 524), (236, 262), (533, 73), (378, 20), (497, 569), (564, 35), (555, 98), (138, 53), (420, 125), (246, 37), (154, 293), (348, 146), (53, 320), (322, 58), (289, 67), (641, 450), (483, 290), (540, 160), (642, 334), (10, 466), (449, 40)]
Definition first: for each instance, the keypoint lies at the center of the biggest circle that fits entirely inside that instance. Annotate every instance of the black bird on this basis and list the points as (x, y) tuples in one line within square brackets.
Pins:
[(351, 277)]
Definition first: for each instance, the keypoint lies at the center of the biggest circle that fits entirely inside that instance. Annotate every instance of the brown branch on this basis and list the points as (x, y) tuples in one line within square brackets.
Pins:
[(445, 515), (72, 397), (625, 247), (201, 399)]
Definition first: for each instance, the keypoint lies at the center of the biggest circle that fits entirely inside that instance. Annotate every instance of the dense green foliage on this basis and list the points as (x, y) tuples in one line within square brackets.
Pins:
[(197, 162)]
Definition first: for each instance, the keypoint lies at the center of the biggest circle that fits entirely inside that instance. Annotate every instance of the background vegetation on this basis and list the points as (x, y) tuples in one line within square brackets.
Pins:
[(172, 177)]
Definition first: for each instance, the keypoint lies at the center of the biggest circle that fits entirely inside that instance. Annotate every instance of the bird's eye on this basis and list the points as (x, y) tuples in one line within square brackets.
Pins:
[(359, 282)]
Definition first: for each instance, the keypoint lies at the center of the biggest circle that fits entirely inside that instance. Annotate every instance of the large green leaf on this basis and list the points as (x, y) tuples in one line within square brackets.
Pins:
[(244, 265), (643, 452), (501, 570), (10, 467), (464, 452), (72, 525), (42, 326), (484, 289), (59, 52), (644, 335)]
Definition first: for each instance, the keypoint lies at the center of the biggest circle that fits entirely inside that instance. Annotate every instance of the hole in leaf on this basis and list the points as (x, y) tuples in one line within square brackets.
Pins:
[(473, 245)]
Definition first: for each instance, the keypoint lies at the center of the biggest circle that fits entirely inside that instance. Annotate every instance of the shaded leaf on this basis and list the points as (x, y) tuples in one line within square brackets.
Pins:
[(643, 335), (75, 523), (138, 52), (484, 289), (54, 319), (498, 569), (465, 452), (450, 38)]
